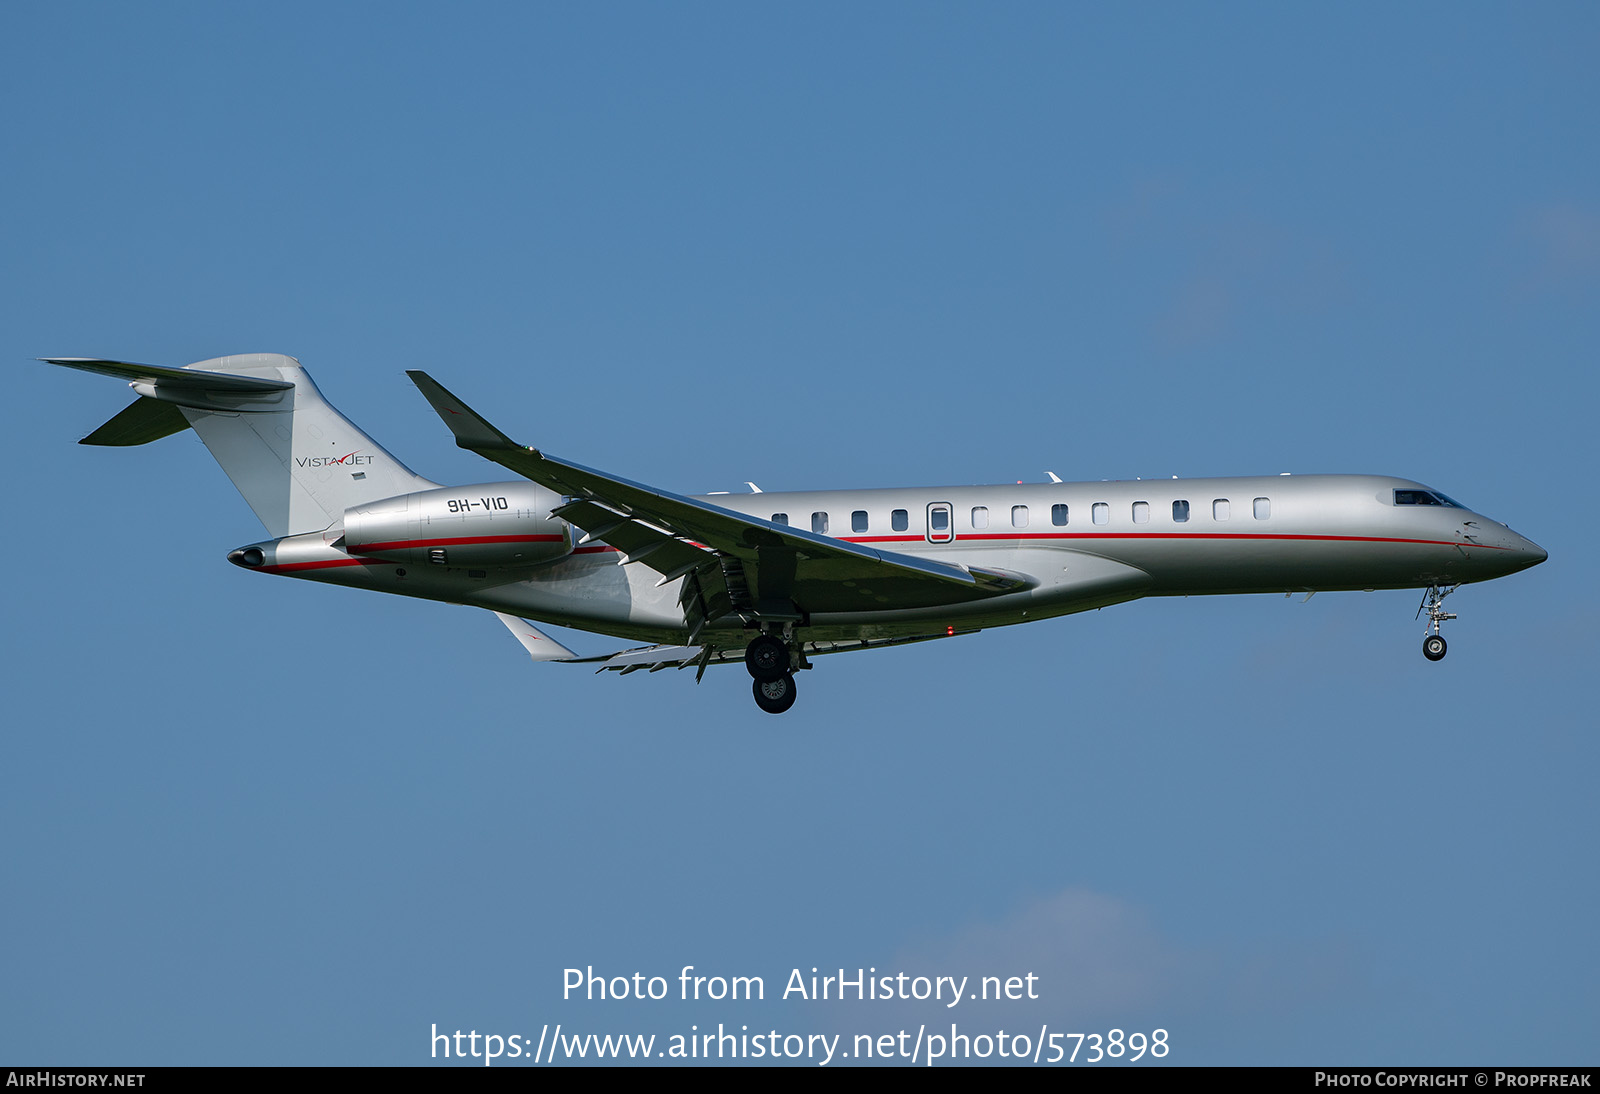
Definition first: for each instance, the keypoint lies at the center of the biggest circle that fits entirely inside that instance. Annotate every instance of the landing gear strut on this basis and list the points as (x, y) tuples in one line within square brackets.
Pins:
[(1433, 643)]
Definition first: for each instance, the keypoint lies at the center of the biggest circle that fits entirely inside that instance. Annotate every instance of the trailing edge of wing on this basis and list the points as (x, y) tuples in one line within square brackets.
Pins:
[(656, 658)]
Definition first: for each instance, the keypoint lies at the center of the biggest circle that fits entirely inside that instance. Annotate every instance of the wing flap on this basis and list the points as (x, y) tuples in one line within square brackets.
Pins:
[(637, 541), (656, 658)]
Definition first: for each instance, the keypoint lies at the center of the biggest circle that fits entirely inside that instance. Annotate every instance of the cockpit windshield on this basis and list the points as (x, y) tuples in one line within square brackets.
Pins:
[(1425, 497)]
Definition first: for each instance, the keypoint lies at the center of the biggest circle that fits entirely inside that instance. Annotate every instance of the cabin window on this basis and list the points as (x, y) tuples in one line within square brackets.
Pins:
[(1058, 515), (1019, 516), (1141, 512), (1102, 513), (780, 518), (858, 521), (899, 520), (819, 522), (1263, 508), (980, 516), (1180, 512), (1219, 509), (940, 519)]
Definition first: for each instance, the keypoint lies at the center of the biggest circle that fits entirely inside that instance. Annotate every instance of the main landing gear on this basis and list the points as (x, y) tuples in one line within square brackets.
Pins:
[(1434, 646), (774, 696), (772, 677)]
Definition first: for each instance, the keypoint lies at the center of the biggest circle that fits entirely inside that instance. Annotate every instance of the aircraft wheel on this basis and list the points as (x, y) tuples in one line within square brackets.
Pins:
[(767, 658), (1433, 647), (774, 696)]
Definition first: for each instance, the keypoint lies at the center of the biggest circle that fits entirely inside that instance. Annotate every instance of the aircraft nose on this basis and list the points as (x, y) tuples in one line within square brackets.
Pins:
[(1525, 553)]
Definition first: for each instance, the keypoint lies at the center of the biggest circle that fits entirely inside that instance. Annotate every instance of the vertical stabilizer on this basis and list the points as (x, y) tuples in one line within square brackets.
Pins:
[(297, 461), (299, 466)]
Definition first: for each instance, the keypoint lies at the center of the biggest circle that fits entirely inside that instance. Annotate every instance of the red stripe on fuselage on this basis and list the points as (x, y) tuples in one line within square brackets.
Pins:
[(990, 536), (1166, 535), (322, 564), (407, 544)]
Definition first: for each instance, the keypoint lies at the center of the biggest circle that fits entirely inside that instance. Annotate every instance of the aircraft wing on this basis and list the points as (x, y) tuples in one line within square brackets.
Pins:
[(743, 565)]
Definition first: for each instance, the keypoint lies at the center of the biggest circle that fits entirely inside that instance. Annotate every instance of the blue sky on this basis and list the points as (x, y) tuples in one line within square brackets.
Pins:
[(250, 820)]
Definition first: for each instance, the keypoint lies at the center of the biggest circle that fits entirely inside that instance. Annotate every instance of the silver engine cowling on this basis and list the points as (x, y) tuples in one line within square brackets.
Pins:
[(498, 525)]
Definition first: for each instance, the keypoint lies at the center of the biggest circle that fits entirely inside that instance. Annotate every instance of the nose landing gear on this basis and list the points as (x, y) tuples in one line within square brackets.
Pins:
[(1434, 646)]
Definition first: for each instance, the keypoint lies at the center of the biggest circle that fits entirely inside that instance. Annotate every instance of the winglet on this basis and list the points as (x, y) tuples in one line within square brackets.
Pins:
[(540, 646), (471, 429)]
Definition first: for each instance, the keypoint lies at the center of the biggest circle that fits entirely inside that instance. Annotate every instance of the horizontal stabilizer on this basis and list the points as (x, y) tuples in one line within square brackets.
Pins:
[(172, 378), (144, 421)]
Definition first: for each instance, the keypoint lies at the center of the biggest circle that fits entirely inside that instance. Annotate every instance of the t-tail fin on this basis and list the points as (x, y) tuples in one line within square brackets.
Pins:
[(297, 461)]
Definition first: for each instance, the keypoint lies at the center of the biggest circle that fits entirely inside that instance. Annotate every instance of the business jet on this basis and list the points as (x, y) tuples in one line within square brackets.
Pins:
[(775, 579)]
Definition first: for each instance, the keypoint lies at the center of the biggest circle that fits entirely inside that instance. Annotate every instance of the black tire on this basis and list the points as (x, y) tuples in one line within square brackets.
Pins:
[(767, 658), (1434, 647), (774, 696)]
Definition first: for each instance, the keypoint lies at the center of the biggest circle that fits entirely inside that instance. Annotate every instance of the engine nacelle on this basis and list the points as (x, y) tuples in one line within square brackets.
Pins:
[(497, 525)]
